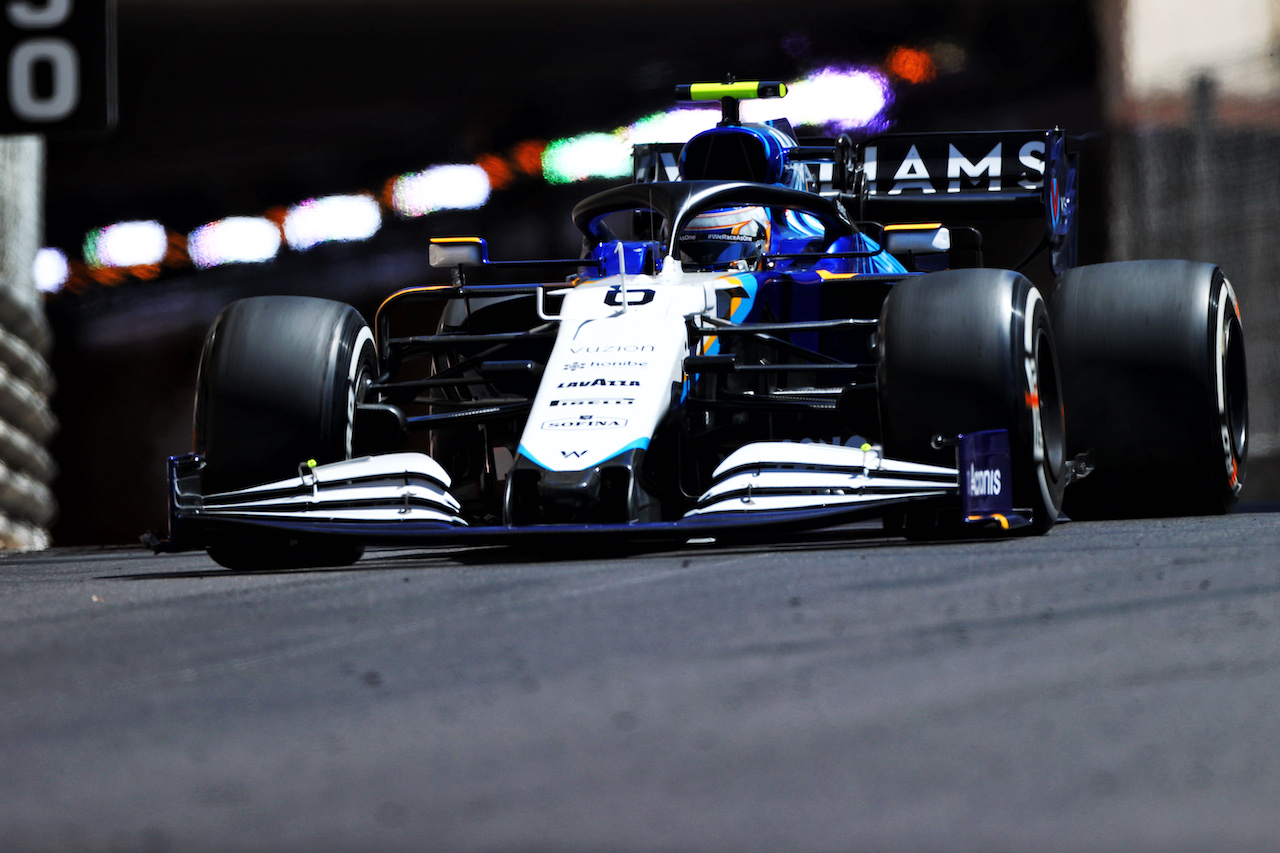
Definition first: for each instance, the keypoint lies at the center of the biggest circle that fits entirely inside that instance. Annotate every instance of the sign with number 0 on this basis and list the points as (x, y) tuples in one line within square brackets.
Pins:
[(58, 62)]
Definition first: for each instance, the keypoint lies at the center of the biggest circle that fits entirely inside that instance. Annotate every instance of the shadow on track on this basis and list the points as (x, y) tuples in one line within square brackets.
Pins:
[(855, 536)]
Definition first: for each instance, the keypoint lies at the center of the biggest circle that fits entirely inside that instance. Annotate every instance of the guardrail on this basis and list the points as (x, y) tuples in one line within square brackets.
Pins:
[(27, 505)]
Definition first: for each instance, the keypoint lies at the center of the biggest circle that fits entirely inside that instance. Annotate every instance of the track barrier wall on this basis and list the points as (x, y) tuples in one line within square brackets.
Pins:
[(27, 424)]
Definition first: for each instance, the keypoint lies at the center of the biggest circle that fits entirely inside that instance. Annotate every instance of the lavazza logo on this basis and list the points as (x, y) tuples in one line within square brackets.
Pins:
[(586, 422), (601, 383), (983, 482)]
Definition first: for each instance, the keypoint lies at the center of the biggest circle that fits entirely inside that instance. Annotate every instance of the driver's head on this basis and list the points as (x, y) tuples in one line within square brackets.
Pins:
[(733, 238)]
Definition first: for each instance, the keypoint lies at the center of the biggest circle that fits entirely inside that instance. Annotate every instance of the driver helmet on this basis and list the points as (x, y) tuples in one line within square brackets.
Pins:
[(733, 238)]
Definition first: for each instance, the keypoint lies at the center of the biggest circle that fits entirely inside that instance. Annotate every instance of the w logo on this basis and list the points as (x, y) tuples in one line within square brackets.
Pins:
[(572, 454)]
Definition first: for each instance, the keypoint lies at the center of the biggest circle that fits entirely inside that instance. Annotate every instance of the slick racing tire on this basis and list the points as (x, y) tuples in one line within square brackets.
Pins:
[(1153, 369), (279, 380), (968, 350)]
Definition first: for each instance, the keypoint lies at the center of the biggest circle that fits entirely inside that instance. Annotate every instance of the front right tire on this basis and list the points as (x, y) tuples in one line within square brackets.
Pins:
[(968, 350)]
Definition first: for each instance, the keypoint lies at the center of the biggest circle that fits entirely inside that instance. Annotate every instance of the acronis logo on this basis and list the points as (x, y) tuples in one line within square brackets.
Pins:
[(983, 482)]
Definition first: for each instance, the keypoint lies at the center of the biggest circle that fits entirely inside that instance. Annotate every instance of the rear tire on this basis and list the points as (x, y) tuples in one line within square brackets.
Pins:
[(279, 380), (968, 350), (1154, 376)]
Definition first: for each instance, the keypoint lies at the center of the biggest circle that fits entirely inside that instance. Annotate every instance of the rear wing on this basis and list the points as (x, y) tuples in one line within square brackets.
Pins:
[(919, 177), (973, 176)]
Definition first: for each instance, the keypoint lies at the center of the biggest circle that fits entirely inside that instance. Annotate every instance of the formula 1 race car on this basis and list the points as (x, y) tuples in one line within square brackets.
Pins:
[(762, 334)]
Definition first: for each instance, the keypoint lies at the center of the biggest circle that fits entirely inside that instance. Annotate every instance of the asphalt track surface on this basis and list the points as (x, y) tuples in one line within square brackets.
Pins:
[(1111, 686)]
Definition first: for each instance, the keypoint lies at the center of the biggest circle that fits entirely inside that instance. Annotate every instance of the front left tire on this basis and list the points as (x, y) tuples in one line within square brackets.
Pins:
[(280, 377)]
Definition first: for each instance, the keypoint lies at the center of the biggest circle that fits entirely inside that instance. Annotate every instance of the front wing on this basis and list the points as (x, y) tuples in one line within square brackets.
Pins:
[(764, 489)]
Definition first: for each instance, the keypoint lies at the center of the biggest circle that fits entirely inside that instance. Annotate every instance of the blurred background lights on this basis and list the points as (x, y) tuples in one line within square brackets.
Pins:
[(454, 187), (234, 240), (675, 126), (527, 156), (832, 100), (51, 270), (126, 244), (835, 99), (592, 155), (332, 218), (501, 174), (911, 64), (948, 57)]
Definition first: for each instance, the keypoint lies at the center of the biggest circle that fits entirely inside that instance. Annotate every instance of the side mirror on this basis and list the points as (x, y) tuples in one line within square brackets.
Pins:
[(917, 239), (452, 252), (923, 248)]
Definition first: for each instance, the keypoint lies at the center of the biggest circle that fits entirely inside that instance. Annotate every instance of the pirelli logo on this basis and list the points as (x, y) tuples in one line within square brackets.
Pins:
[(597, 401)]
